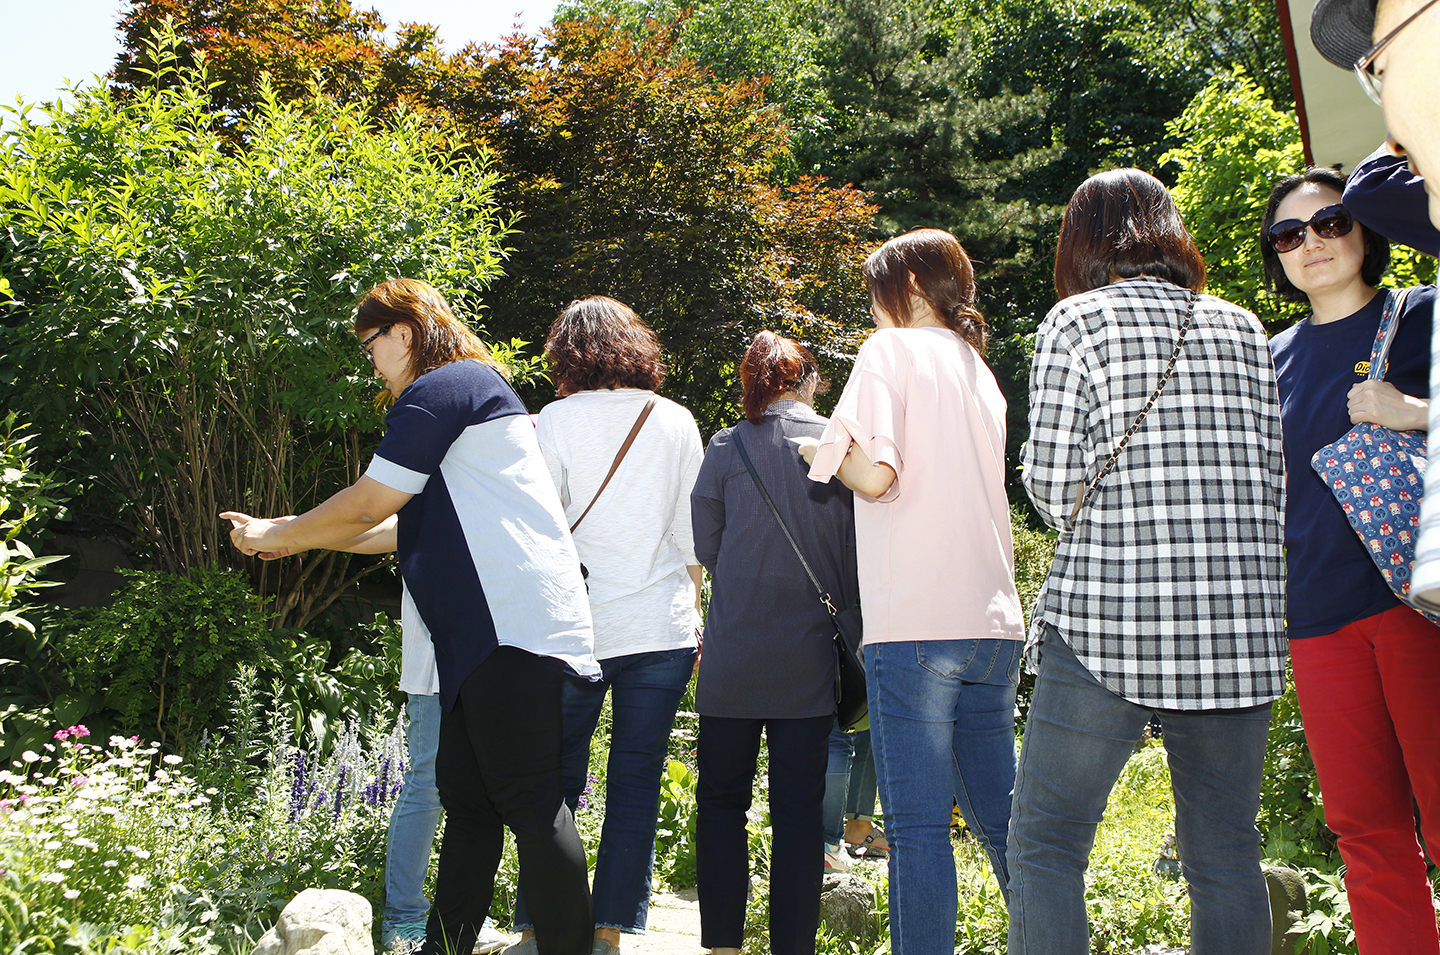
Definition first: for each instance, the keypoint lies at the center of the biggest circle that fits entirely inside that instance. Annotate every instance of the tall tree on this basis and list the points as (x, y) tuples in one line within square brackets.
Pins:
[(640, 176), (288, 44)]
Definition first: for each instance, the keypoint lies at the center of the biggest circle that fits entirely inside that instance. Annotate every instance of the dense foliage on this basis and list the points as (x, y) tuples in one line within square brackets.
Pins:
[(637, 176), (27, 502), (163, 654), (178, 333), (1236, 145)]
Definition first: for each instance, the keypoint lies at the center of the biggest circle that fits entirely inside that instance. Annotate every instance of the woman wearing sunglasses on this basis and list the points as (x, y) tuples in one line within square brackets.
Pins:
[(1366, 666)]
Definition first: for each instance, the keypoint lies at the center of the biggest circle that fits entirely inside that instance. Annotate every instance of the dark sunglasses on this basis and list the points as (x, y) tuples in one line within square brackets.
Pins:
[(1331, 222)]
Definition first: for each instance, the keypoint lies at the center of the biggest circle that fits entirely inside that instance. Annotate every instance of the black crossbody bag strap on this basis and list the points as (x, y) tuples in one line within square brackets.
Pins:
[(824, 597)]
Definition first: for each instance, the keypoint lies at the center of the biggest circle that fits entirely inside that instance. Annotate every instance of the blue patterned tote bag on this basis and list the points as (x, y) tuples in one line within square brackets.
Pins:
[(1378, 475)]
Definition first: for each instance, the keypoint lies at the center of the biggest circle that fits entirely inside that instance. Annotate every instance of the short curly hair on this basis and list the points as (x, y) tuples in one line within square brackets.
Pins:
[(1377, 247), (598, 343)]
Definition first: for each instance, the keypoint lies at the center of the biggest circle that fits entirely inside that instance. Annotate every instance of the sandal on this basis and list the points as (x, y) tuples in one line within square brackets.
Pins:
[(866, 848)]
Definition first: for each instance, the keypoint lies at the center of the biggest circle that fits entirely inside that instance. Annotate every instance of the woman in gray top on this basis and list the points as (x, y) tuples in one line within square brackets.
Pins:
[(768, 660)]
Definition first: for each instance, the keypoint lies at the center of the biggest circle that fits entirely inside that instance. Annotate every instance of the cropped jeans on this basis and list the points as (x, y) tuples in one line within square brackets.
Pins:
[(1078, 737), (850, 784), (413, 820), (942, 728), (645, 690)]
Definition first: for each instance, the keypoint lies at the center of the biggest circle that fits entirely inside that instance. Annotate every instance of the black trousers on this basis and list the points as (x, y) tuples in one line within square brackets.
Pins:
[(498, 766), (799, 752)]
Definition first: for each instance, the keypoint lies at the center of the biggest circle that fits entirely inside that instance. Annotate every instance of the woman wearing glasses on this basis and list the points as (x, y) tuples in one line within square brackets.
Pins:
[(1366, 666), (492, 582)]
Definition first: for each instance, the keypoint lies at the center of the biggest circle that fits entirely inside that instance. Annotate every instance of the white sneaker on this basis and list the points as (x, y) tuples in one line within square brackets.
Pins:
[(490, 939), (835, 858)]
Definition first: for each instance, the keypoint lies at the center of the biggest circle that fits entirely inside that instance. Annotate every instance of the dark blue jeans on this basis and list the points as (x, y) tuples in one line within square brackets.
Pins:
[(645, 690), (1078, 738)]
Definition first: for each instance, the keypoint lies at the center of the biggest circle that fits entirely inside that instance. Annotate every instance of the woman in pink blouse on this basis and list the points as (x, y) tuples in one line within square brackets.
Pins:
[(919, 435)]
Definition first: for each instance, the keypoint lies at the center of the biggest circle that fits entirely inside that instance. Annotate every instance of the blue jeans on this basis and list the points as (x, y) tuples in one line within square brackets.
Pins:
[(1078, 738), (645, 691), (850, 783), (942, 727), (414, 818)]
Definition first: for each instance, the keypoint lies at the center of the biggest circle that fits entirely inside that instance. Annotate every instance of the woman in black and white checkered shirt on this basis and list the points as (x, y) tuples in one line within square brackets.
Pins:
[(1166, 596)]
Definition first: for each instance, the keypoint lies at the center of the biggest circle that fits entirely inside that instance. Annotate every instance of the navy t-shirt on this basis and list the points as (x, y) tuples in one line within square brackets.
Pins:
[(484, 549), (1332, 580)]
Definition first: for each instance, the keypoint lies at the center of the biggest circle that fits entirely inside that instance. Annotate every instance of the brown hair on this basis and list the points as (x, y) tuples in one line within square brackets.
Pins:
[(597, 342), (437, 337), (1122, 224), (772, 366), (1377, 247), (932, 264)]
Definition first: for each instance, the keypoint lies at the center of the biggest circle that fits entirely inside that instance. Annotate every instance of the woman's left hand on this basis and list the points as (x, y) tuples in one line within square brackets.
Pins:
[(1379, 402), (807, 448)]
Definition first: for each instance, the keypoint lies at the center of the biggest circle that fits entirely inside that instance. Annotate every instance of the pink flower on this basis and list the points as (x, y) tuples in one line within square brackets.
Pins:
[(79, 731), (62, 734), (78, 781)]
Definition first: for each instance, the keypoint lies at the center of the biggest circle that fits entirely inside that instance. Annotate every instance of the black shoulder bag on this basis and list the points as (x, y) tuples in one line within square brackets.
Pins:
[(851, 705)]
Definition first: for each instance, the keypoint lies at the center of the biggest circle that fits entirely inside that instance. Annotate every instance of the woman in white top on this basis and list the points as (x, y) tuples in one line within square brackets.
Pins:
[(635, 542)]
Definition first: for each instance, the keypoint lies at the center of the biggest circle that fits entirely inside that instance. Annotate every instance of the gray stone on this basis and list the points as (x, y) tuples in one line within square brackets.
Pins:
[(321, 922), (847, 906), (1287, 906)]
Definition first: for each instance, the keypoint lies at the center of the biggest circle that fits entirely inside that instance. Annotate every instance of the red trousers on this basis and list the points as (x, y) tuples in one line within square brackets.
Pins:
[(1370, 698)]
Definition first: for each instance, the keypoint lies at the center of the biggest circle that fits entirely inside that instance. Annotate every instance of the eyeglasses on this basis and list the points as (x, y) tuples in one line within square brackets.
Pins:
[(1365, 66), (1331, 222), (365, 345)]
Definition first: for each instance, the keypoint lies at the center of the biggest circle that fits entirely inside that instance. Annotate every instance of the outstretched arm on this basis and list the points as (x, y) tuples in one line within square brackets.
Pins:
[(359, 519)]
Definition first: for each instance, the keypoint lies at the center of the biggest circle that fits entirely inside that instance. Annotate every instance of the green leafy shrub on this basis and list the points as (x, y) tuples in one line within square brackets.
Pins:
[(28, 501), (26, 504), (1034, 552), (163, 653), (1292, 814), (178, 322)]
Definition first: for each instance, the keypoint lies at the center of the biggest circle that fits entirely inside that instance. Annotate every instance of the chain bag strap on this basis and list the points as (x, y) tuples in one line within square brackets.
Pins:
[(1083, 494)]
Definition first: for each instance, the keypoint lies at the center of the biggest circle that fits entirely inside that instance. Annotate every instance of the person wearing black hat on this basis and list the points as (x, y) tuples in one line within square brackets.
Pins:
[(1394, 48)]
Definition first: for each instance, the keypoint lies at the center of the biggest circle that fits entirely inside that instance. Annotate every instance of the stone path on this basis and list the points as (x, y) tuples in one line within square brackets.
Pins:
[(674, 927)]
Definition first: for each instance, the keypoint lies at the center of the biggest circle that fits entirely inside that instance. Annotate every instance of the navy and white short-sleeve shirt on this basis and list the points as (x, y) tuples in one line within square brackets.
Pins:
[(484, 550)]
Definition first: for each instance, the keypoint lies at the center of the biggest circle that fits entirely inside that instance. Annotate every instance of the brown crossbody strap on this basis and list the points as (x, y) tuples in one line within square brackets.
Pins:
[(1085, 493), (629, 440)]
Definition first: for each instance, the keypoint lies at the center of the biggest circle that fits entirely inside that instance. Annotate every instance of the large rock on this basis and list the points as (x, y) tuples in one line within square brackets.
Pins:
[(321, 922), (1287, 906), (847, 906)]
